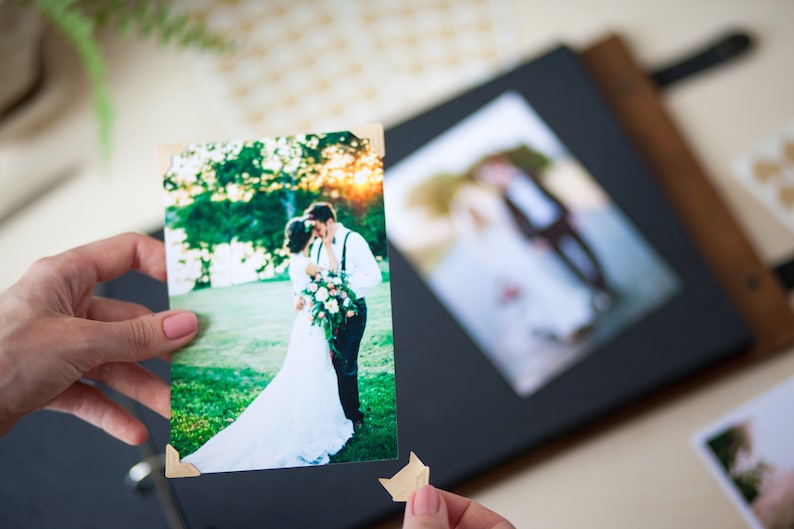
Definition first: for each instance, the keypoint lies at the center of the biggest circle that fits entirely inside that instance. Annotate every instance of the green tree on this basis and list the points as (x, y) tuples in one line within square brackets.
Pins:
[(206, 224), (727, 445), (366, 216), (253, 188), (749, 481)]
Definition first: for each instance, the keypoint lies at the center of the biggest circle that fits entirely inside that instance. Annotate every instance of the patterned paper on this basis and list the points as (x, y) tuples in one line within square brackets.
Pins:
[(767, 172), (317, 65)]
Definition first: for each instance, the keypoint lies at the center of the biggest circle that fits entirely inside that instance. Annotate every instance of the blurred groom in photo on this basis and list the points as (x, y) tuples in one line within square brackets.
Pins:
[(538, 214), (358, 264)]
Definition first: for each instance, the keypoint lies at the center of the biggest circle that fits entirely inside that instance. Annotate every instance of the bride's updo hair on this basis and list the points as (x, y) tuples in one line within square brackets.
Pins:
[(297, 234)]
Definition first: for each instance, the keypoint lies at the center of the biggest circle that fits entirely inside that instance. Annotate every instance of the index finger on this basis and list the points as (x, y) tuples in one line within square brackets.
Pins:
[(113, 257), (468, 514)]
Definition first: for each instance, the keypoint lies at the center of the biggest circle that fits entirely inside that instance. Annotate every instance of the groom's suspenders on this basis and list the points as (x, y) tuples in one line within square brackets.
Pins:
[(344, 252)]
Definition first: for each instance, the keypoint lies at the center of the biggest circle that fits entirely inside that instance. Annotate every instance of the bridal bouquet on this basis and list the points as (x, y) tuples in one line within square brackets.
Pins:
[(331, 302)]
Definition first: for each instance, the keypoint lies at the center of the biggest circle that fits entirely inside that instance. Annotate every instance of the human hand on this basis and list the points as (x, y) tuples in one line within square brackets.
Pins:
[(57, 339), (327, 238), (300, 303), (430, 508)]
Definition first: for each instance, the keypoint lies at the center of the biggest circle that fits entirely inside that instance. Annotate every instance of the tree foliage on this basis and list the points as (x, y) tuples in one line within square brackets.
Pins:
[(728, 446), (247, 191), (435, 194)]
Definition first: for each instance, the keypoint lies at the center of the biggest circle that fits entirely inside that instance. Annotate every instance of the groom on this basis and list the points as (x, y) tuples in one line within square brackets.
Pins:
[(538, 214), (356, 260)]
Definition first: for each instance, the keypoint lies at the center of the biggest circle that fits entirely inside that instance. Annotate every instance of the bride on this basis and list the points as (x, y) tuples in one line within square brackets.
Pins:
[(297, 420)]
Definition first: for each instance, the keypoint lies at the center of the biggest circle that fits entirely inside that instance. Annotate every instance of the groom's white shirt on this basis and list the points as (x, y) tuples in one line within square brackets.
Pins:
[(527, 196), (362, 269)]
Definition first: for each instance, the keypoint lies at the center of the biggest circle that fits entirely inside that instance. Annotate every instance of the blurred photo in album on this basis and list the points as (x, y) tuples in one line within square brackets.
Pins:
[(521, 244), (749, 453), (279, 245)]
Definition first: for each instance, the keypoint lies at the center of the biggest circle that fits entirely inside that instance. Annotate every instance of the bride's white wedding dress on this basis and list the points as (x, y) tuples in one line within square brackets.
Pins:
[(297, 420), (552, 300)]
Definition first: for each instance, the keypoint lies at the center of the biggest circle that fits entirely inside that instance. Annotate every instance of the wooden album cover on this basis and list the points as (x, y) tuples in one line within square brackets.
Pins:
[(756, 292)]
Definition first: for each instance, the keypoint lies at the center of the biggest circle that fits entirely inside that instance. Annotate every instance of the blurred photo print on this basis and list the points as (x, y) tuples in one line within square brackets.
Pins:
[(521, 244), (279, 245), (750, 454)]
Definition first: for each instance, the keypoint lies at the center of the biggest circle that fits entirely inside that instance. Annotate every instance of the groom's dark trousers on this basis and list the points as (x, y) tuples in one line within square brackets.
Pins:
[(347, 343)]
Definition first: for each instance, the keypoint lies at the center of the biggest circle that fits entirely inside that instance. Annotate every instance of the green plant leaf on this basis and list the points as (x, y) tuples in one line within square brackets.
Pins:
[(78, 21)]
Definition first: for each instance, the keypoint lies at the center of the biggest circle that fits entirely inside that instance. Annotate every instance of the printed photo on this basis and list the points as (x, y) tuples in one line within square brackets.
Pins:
[(279, 245), (523, 247), (750, 454)]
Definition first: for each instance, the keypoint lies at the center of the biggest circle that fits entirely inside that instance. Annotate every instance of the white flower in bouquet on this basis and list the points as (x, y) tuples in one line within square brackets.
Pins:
[(322, 294), (331, 301), (332, 306)]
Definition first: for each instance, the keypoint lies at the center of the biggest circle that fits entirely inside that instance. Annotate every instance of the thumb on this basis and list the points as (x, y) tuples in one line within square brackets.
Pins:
[(146, 336), (426, 509)]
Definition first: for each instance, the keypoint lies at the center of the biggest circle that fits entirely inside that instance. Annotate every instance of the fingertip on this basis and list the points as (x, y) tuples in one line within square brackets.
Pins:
[(425, 501), (180, 324), (135, 437), (426, 509)]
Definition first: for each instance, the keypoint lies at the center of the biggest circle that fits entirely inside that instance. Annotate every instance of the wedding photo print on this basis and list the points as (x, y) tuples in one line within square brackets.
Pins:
[(279, 245), (521, 244), (749, 453)]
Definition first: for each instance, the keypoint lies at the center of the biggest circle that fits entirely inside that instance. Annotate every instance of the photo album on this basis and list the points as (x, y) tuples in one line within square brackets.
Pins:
[(545, 279), (278, 244)]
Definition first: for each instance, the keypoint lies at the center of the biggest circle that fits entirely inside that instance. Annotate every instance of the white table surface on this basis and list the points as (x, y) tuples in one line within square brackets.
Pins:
[(641, 470)]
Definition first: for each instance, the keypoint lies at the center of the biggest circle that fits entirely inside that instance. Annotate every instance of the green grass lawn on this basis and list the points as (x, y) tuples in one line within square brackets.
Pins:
[(241, 346)]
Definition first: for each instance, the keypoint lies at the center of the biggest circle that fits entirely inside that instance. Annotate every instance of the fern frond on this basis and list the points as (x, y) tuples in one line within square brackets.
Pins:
[(79, 29), (154, 19), (78, 20)]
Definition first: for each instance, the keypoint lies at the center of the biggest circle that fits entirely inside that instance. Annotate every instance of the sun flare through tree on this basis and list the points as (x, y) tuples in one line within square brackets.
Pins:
[(231, 200)]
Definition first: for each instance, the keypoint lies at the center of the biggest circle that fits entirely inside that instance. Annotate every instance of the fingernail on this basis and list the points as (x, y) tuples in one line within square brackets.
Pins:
[(179, 325), (426, 501)]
